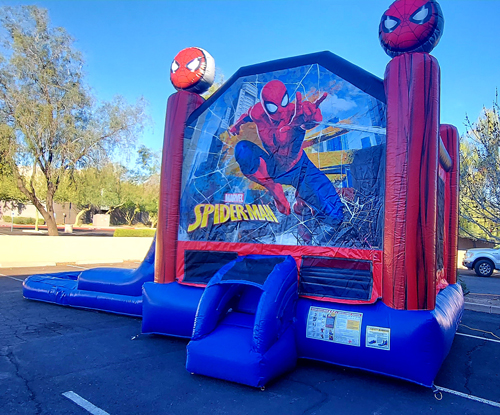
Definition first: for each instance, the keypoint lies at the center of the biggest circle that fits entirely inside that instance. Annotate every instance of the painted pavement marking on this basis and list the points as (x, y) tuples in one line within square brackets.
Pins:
[(13, 278), (467, 396), (88, 406), (477, 337), (76, 266)]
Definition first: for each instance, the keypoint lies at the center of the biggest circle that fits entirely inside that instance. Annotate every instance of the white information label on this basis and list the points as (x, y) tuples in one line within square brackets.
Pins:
[(334, 326), (378, 338)]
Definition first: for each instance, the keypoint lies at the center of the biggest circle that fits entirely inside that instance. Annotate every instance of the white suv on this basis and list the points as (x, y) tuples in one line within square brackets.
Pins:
[(483, 260)]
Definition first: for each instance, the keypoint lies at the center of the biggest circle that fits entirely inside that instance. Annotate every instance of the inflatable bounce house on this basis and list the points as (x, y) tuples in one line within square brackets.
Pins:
[(308, 210)]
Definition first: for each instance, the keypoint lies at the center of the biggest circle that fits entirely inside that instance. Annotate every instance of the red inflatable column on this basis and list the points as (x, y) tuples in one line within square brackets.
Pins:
[(180, 105), (412, 89), (449, 135)]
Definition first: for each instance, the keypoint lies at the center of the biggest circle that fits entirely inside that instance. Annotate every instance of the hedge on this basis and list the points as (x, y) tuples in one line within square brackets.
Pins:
[(20, 220), (135, 232)]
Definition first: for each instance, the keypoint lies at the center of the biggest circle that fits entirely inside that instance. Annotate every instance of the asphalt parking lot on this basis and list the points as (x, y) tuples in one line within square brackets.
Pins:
[(47, 350), (475, 284)]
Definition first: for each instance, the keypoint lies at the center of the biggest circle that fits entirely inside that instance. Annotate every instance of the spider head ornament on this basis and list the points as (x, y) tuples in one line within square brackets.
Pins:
[(411, 26), (193, 70)]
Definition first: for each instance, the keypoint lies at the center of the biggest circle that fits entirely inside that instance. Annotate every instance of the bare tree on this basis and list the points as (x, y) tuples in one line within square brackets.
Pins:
[(480, 177)]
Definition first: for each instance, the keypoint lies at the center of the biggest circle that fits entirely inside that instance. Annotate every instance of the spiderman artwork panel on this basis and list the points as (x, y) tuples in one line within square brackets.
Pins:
[(287, 157)]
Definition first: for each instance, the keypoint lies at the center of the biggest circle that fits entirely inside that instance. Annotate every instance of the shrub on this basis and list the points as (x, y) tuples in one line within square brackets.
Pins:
[(135, 232), (20, 220), (465, 290)]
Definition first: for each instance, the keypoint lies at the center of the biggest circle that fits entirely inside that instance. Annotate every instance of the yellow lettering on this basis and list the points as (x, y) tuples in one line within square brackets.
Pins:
[(197, 222), (240, 213), (224, 213), (236, 212), (263, 213), (234, 217), (253, 212), (216, 215), (207, 211), (270, 214)]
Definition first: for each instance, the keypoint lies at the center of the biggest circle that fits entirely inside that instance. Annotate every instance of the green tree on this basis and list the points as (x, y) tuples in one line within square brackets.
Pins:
[(147, 164), (92, 187), (144, 187), (10, 191), (111, 187), (151, 192), (480, 177), (49, 121)]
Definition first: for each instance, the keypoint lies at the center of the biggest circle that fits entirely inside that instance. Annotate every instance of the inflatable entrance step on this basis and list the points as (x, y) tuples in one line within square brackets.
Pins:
[(243, 329)]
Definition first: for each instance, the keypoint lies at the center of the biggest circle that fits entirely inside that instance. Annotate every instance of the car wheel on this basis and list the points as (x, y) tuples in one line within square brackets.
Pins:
[(483, 268)]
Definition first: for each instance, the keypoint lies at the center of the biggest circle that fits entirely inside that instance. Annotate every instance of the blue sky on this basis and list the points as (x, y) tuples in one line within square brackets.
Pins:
[(128, 45)]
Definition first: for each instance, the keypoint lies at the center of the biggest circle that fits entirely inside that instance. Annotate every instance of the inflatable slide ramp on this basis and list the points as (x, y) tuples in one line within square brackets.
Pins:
[(113, 290)]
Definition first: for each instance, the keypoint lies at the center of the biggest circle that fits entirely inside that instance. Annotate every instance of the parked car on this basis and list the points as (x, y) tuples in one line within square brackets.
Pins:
[(483, 260)]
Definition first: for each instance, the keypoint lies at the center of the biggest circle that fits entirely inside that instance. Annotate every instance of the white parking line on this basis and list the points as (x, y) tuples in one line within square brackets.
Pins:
[(14, 278), (76, 266), (471, 397), (477, 337), (89, 407)]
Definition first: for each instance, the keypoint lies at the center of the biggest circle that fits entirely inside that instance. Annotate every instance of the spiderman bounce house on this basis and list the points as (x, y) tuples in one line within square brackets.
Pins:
[(308, 210)]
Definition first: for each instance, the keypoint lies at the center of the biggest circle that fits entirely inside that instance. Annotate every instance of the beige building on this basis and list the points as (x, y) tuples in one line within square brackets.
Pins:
[(65, 213)]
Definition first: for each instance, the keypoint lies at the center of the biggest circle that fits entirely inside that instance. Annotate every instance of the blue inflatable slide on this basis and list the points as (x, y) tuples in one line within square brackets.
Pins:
[(114, 290)]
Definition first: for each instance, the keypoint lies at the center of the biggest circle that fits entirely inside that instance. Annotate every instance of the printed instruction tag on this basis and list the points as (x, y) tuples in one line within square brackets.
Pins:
[(334, 326), (378, 338)]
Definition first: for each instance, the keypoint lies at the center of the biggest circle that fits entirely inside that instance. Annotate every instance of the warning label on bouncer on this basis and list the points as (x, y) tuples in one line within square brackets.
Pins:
[(334, 326), (378, 337)]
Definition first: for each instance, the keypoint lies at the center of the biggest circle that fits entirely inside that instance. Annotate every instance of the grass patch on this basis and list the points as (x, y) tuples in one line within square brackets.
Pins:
[(134, 232)]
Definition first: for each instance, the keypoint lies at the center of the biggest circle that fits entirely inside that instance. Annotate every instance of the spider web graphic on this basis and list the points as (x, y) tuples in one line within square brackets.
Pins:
[(343, 147)]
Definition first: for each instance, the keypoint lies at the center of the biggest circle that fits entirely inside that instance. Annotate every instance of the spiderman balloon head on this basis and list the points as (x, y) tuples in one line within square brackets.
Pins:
[(276, 102), (193, 70), (411, 26)]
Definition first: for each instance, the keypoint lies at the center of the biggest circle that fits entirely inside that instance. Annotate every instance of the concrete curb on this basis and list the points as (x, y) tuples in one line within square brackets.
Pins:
[(26, 264), (482, 308), (34, 250), (93, 262), (53, 264)]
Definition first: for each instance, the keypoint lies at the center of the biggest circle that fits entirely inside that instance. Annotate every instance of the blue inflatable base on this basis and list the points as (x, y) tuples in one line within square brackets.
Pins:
[(62, 289), (417, 341), (169, 309), (409, 345)]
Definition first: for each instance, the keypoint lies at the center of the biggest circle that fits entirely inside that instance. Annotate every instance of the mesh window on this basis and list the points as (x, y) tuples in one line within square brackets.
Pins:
[(336, 278), (201, 266), (255, 270)]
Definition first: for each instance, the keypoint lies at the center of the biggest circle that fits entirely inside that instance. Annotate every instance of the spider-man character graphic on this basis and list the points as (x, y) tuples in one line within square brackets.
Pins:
[(411, 26), (281, 126)]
